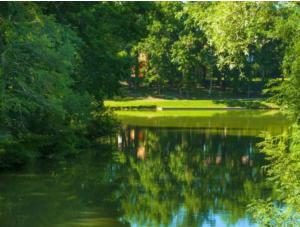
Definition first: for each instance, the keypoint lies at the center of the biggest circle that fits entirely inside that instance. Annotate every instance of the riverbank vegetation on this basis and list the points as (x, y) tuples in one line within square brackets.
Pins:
[(58, 62)]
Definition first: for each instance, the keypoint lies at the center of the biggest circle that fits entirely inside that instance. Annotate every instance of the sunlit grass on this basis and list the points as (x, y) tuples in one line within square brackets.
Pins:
[(163, 103)]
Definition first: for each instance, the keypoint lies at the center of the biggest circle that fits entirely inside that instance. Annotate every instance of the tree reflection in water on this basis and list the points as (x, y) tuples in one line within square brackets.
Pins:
[(156, 177), (71, 193), (188, 177)]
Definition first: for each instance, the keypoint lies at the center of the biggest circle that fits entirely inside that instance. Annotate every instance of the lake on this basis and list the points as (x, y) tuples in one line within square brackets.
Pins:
[(197, 168)]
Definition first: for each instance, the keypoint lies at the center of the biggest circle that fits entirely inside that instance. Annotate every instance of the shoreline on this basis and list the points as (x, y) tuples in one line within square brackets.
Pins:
[(147, 108), (186, 105)]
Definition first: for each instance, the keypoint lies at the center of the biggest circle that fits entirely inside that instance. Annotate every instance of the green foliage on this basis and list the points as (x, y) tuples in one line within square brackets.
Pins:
[(108, 32), (189, 44), (290, 88), (284, 170), (286, 93), (284, 151), (36, 64), (176, 48), (58, 61), (41, 101), (234, 37), (267, 214)]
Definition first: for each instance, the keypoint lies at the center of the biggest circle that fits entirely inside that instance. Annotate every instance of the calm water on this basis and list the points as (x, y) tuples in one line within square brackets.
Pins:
[(160, 171)]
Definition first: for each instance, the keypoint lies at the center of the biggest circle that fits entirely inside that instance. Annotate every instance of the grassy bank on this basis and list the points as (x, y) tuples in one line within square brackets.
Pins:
[(189, 104)]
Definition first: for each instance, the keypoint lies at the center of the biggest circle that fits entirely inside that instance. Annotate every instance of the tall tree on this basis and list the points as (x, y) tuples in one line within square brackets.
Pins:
[(240, 36), (108, 32)]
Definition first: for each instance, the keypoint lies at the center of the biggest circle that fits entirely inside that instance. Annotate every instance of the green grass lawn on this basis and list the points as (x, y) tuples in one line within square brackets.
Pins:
[(194, 113), (164, 103)]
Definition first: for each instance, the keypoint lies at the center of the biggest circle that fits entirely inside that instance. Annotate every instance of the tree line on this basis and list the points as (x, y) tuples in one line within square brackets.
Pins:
[(60, 60), (236, 48)]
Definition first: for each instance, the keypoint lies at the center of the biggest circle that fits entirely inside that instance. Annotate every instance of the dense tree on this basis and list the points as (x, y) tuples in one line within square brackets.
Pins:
[(43, 96), (37, 59), (162, 30), (284, 150), (239, 34), (189, 44), (177, 50), (108, 31), (58, 62)]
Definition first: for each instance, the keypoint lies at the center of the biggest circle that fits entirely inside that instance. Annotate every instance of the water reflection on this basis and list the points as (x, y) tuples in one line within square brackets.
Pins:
[(162, 175), (188, 177), (232, 122), (69, 193)]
